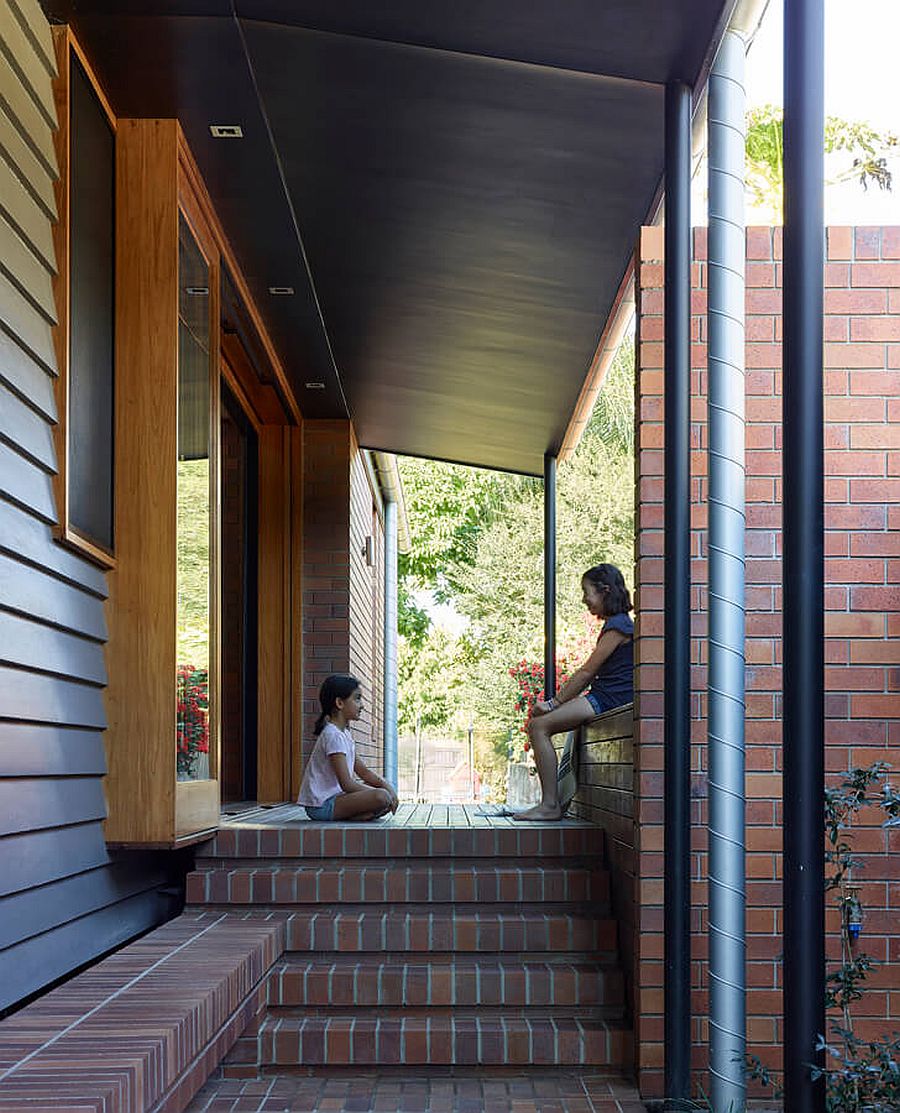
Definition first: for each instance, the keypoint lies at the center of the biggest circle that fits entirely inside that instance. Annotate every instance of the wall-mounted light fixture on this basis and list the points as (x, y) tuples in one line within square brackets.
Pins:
[(368, 551)]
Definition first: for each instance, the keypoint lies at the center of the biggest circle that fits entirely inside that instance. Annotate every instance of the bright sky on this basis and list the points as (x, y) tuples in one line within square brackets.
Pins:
[(861, 83)]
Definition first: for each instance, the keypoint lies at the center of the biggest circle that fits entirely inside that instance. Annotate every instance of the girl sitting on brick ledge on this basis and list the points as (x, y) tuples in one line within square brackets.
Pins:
[(336, 783), (608, 674)]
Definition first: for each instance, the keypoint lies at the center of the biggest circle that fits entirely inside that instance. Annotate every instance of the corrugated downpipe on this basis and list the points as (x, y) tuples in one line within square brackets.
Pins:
[(727, 254), (390, 641)]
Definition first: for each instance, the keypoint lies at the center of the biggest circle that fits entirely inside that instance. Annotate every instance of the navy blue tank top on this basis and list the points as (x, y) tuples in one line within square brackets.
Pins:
[(614, 683)]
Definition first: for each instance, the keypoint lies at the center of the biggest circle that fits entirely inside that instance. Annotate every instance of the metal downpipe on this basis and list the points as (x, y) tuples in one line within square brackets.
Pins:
[(727, 256), (390, 641), (549, 575), (804, 559)]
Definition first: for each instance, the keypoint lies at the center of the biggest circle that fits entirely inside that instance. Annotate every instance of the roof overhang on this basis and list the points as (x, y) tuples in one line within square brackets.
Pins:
[(453, 192)]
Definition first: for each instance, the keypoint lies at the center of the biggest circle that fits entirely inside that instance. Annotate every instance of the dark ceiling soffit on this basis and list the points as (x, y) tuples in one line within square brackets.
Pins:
[(457, 463), (500, 60), (276, 155)]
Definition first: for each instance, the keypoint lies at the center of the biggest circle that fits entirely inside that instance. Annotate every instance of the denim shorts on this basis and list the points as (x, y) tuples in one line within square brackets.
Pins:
[(600, 703), (323, 812)]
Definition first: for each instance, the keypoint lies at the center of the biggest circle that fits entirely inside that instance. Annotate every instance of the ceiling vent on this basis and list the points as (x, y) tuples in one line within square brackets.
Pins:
[(226, 131), (282, 290), (315, 386)]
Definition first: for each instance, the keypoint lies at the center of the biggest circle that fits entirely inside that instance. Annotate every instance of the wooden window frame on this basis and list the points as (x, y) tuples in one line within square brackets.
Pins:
[(66, 45)]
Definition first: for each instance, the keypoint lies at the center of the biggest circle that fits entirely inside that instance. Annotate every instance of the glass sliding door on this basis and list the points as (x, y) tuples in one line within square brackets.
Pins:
[(195, 632)]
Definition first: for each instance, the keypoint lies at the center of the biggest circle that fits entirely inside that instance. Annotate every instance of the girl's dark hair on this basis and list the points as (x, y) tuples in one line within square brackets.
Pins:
[(617, 600), (339, 686)]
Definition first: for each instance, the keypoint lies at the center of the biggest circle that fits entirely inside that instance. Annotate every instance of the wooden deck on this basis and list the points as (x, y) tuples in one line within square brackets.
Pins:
[(454, 816)]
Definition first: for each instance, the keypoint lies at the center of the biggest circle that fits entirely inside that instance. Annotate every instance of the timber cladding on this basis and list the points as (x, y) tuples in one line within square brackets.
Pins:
[(63, 898), (862, 621)]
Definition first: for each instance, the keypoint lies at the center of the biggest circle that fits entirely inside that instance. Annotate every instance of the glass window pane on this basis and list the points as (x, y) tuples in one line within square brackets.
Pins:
[(193, 517)]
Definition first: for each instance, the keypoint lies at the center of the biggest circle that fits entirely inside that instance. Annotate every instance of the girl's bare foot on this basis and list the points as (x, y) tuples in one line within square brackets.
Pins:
[(539, 813)]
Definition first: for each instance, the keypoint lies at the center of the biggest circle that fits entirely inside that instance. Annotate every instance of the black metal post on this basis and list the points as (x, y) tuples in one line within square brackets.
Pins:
[(549, 575), (677, 673), (804, 554)]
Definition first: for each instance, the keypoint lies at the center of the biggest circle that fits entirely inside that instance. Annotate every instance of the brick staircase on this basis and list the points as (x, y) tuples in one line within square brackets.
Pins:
[(406, 945)]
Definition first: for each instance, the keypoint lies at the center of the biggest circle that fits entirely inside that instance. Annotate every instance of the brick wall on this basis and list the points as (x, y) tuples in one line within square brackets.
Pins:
[(862, 490), (341, 604), (606, 797)]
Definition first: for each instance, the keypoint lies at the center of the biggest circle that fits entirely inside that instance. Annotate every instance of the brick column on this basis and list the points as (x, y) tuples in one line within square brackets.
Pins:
[(341, 631), (862, 408)]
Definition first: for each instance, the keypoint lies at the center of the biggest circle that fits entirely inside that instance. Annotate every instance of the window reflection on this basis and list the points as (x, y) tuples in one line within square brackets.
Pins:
[(193, 512)]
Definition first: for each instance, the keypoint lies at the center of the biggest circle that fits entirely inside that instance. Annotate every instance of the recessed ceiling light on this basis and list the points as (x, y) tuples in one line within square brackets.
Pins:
[(226, 131), (315, 386), (281, 289)]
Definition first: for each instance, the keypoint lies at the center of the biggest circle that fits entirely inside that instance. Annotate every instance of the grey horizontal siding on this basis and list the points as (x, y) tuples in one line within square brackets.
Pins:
[(42, 596), (25, 164), (25, 213), (25, 270), (50, 699), (38, 857), (30, 15), (44, 958), (25, 115), (29, 63), (25, 485), (47, 750), (39, 803), (32, 645), (26, 378), (63, 899), (31, 541), (49, 906), (26, 431), (26, 324)]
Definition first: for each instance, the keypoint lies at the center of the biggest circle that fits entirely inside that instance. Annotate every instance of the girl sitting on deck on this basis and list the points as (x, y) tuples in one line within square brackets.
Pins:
[(337, 784), (608, 674)]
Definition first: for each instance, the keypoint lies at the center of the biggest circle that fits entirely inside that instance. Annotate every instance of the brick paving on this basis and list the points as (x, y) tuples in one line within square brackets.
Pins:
[(380, 1093)]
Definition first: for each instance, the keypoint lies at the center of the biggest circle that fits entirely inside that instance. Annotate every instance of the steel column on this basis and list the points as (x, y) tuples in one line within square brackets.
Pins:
[(549, 575), (727, 258), (390, 642), (677, 674), (803, 546)]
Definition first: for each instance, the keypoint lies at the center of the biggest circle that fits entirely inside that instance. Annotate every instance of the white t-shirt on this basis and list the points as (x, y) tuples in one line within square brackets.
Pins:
[(320, 781)]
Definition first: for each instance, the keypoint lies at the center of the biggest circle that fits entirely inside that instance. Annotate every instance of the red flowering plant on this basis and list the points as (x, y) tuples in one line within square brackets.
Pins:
[(191, 718), (529, 678)]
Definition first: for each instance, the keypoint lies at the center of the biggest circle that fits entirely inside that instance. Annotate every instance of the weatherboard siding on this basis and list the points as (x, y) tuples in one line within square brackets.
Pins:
[(63, 898)]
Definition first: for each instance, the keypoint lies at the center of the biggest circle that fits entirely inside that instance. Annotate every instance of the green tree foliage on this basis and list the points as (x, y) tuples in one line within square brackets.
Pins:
[(428, 680), (478, 543), (865, 153)]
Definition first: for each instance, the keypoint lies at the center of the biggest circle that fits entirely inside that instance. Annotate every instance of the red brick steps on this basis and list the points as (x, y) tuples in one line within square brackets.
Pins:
[(282, 884), (443, 981), (451, 929), (489, 945), (441, 1040), (317, 840)]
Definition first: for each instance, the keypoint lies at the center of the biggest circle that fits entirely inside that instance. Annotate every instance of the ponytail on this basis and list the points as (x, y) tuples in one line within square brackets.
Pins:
[(339, 686)]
